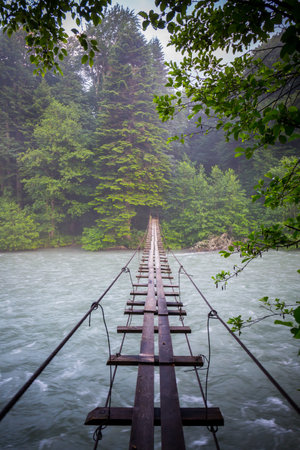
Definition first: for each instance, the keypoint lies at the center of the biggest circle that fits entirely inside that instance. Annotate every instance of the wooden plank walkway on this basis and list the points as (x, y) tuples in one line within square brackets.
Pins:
[(143, 416)]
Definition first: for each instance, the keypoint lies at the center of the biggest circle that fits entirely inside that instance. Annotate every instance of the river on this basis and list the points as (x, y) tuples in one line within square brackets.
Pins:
[(43, 295)]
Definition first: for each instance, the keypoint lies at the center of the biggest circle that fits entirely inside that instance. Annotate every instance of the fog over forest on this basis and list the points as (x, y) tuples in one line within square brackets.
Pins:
[(85, 157)]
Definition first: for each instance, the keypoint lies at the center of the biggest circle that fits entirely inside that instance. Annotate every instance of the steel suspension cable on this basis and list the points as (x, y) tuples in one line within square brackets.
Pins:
[(249, 353), (94, 306)]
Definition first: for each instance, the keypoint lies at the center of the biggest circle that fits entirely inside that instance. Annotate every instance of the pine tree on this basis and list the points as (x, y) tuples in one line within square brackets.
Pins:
[(17, 87), (130, 166)]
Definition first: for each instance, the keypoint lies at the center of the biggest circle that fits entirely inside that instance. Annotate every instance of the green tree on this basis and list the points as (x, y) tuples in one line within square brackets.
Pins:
[(201, 205), (106, 36), (228, 205), (130, 166), (253, 98), (56, 168), (186, 205), (18, 228), (16, 115), (249, 98)]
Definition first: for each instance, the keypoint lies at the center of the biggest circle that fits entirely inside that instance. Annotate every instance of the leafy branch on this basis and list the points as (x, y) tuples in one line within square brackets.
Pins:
[(276, 308), (280, 191), (45, 34)]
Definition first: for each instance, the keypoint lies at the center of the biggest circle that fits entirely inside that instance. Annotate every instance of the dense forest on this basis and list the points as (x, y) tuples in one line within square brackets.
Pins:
[(84, 157)]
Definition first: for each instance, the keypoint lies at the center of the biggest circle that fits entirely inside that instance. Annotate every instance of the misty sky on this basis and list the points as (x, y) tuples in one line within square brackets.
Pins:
[(163, 35)]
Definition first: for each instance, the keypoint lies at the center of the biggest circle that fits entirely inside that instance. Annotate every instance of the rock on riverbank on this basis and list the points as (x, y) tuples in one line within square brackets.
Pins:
[(214, 243)]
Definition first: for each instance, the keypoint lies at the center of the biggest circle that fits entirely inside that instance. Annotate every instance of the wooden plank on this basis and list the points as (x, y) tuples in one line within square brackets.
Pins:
[(167, 277), (123, 416), (142, 303), (139, 329), (167, 294), (174, 286), (133, 360), (142, 430), (156, 279), (140, 312), (172, 437), (163, 270)]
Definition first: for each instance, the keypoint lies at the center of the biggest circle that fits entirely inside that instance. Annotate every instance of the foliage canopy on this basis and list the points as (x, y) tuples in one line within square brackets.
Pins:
[(43, 23), (254, 98)]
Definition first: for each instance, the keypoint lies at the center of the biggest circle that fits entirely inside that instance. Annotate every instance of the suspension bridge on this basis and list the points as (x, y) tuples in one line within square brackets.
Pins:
[(155, 285), (156, 298)]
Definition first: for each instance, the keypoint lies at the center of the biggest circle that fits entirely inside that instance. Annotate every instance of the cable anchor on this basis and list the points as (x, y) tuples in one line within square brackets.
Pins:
[(213, 314), (94, 306), (213, 428)]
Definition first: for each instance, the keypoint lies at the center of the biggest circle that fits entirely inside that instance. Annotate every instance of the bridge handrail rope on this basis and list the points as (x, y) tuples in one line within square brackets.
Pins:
[(155, 275), (47, 361), (213, 314), (143, 416)]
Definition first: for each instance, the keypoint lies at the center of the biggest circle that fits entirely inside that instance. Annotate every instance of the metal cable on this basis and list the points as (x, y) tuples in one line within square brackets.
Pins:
[(94, 306), (249, 353), (97, 436), (98, 432)]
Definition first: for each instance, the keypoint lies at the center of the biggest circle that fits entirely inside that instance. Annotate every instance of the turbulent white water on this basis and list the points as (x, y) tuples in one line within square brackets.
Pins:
[(43, 295)]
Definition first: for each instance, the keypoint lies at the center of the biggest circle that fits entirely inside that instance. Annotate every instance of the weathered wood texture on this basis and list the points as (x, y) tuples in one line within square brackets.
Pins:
[(156, 277), (142, 428), (123, 416), (154, 360), (139, 329)]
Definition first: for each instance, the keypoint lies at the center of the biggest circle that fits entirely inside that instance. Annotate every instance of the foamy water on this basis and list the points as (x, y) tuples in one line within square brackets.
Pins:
[(45, 293)]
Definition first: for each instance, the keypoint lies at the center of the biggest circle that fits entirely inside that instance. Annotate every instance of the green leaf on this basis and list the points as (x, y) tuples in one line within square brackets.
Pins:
[(288, 128), (143, 14), (160, 24), (296, 333), (297, 314), (171, 27), (282, 139), (170, 16), (293, 109), (239, 151), (84, 59), (281, 322), (145, 24)]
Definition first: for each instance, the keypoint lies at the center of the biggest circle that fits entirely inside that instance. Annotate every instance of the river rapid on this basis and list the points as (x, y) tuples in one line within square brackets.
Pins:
[(44, 294)]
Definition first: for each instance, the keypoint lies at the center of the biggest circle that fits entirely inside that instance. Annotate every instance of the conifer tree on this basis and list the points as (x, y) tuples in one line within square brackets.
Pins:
[(16, 115), (130, 166)]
